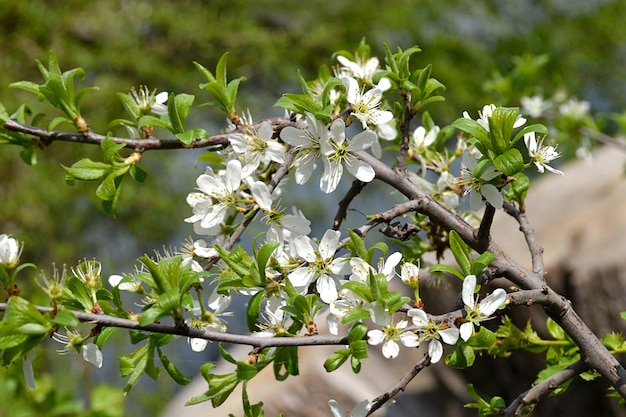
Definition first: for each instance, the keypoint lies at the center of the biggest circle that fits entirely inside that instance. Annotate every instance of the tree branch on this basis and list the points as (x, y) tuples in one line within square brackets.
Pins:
[(485, 227), (384, 217), (595, 354), (406, 125), (527, 401), (355, 189), (254, 341), (401, 385), (535, 248), (219, 141)]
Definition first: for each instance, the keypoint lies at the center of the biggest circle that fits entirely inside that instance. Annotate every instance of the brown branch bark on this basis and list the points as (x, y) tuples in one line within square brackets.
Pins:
[(254, 341), (527, 401), (535, 248), (218, 141), (344, 204), (401, 385)]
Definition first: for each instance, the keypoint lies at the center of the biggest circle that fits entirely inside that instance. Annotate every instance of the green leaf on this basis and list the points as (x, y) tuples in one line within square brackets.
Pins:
[(137, 173), (518, 188), (501, 125), (483, 261), (79, 293), (357, 245), (151, 315), (220, 386), (189, 136), (447, 269), (172, 370), (336, 360), (66, 318), (263, 255), (87, 170), (355, 314), (178, 107), (461, 252), (510, 162), (537, 128), (484, 338), (358, 349), (107, 190), (134, 365), (299, 103), (357, 332), (238, 260), (555, 330), (462, 357), (472, 128), (111, 149), (286, 359), (254, 311)]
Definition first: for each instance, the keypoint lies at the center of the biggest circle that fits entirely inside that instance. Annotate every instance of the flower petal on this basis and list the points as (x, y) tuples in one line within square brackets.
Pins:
[(420, 319), (92, 354), (450, 335), (490, 304), (492, 195), (198, 345), (329, 243), (361, 170), (327, 288), (391, 350), (409, 339), (362, 409), (375, 337), (469, 285), (466, 330), (435, 350)]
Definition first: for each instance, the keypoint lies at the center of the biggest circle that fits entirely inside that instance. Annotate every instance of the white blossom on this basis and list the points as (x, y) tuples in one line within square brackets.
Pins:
[(219, 195), (389, 335), (481, 311), (540, 154), (432, 332), (477, 187), (360, 410), (257, 146), (365, 104), (10, 251), (338, 151), (322, 266)]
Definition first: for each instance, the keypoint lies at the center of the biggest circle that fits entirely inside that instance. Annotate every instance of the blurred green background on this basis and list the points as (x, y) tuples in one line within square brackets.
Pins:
[(121, 44)]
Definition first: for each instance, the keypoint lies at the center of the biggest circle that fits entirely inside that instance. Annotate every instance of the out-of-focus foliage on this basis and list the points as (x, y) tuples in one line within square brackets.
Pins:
[(121, 44)]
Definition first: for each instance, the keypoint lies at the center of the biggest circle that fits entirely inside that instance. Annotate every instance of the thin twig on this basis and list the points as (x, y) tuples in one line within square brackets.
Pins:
[(406, 129), (355, 189), (527, 401), (485, 227), (535, 248), (255, 341), (401, 385), (218, 141), (384, 217)]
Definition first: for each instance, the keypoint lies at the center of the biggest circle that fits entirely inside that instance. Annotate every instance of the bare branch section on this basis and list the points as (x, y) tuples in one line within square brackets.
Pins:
[(535, 248), (527, 401), (218, 141), (254, 341), (344, 204), (401, 385)]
